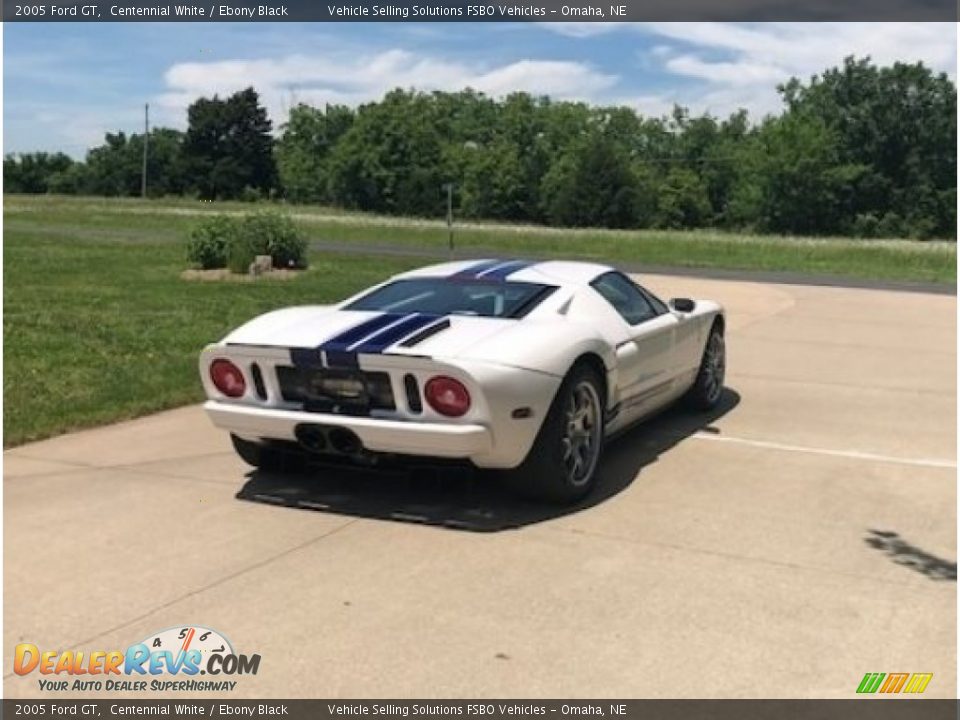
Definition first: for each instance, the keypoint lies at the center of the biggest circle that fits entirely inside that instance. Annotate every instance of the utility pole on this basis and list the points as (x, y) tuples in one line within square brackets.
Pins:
[(449, 188), (146, 141)]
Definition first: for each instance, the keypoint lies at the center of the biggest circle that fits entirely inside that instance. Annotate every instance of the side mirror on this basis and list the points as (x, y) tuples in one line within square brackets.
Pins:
[(683, 305)]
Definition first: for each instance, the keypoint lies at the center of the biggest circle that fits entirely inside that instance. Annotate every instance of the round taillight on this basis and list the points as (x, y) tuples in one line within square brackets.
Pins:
[(227, 378), (447, 396)]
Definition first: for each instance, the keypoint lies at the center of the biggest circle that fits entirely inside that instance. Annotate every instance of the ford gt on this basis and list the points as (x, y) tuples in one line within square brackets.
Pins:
[(522, 367)]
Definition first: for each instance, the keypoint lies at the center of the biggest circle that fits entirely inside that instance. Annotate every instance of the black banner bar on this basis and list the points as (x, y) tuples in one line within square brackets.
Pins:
[(873, 708), (459, 11)]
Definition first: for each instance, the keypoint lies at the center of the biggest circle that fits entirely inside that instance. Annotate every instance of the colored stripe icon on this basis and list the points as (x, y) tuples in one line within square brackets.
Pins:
[(871, 682), (918, 682), (894, 683)]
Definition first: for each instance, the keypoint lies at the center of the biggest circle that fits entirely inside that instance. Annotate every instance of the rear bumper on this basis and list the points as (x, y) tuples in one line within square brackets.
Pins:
[(388, 436)]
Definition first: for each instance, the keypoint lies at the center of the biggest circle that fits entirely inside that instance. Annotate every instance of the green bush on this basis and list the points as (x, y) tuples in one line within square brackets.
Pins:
[(240, 253), (222, 241), (274, 234), (890, 226), (865, 225), (251, 194), (209, 239), (921, 227)]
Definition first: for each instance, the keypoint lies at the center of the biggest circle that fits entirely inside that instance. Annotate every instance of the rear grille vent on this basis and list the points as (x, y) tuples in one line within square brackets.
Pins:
[(258, 381), (412, 389)]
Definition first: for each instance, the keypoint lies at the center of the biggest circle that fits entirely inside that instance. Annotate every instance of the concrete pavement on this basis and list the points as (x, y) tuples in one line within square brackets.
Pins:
[(800, 537)]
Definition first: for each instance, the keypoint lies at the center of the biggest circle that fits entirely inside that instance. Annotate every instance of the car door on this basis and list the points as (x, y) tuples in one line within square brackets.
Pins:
[(687, 338), (645, 360)]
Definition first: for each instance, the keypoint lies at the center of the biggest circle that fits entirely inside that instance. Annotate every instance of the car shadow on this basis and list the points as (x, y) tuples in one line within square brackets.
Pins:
[(903, 553), (468, 499)]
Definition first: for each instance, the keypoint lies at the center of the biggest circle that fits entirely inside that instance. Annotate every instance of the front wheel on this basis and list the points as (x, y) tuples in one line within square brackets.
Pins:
[(561, 467), (708, 387)]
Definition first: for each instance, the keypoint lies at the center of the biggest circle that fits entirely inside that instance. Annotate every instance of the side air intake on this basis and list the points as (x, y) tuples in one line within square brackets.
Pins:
[(427, 332)]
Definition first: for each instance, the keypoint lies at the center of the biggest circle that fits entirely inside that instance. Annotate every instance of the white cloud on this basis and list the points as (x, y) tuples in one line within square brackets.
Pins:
[(583, 29), (712, 67), (720, 67), (724, 73), (352, 79), (559, 79), (72, 129), (646, 105), (807, 48)]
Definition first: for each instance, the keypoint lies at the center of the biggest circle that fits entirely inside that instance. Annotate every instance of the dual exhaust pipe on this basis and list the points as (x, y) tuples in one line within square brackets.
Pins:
[(327, 440)]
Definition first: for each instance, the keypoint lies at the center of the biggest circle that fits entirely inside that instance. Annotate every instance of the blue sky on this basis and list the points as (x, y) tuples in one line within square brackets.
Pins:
[(67, 84)]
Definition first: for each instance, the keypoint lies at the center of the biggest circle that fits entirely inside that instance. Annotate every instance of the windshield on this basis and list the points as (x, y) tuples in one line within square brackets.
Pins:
[(446, 296)]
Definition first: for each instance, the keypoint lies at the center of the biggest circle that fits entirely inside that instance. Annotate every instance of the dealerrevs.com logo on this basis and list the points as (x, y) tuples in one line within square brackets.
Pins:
[(170, 660)]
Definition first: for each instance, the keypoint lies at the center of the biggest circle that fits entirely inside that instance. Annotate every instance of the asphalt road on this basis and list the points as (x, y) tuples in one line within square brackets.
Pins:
[(800, 537)]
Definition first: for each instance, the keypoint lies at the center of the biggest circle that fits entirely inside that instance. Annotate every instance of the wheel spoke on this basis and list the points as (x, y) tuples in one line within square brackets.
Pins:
[(581, 440), (713, 367)]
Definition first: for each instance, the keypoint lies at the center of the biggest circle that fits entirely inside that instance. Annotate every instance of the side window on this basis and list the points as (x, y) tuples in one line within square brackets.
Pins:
[(658, 304), (626, 298)]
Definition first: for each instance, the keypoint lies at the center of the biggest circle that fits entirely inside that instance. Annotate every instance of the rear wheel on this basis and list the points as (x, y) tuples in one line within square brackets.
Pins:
[(708, 387), (259, 455), (561, 467)]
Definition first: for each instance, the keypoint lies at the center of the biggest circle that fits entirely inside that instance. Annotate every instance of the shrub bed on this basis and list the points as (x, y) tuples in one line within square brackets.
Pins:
[(224, 241)]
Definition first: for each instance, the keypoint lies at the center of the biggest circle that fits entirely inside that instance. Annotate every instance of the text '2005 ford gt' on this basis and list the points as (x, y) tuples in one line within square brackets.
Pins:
[(519, 366)]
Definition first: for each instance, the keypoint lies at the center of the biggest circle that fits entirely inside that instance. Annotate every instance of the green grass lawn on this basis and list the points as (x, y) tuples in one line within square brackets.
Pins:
[(95, 331), (139, 221), (99, 326)]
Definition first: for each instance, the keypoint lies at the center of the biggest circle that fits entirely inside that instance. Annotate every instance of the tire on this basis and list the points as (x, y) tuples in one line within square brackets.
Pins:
[(708, 387), (561, 466), (258, 455)]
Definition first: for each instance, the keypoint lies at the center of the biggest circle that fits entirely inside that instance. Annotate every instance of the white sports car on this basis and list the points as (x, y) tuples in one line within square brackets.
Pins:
[(524, 367)]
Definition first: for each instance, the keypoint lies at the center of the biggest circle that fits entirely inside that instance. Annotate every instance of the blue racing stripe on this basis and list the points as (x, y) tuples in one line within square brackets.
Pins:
[(357, 333), (387, 337), (501, 271), (472, 270)]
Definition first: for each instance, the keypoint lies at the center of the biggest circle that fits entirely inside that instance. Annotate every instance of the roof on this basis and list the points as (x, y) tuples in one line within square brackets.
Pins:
[(548, 271)]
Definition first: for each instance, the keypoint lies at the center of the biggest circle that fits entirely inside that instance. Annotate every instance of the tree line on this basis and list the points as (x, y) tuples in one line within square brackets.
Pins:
[(858, 150)]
